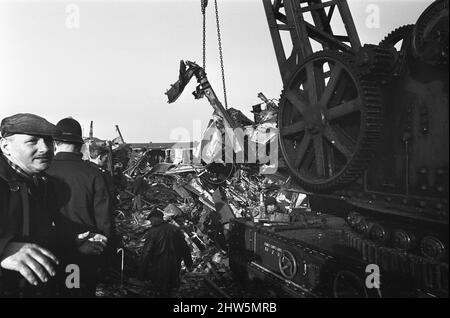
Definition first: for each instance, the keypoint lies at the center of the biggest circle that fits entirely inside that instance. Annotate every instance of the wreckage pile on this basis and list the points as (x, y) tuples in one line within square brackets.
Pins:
[(202, 204), (200, 198), (135, 201)]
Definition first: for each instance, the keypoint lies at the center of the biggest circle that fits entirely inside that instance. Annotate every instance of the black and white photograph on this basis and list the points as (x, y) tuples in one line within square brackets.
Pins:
[(221, 156)]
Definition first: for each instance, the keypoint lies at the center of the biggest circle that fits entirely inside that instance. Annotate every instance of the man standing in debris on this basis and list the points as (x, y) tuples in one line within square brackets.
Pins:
[(83, 204), (163, 251), (26, 263)]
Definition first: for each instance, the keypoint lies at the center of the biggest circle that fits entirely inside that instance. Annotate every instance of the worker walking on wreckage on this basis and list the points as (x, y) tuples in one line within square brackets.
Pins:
[(83, 203), (26, 263), (163, 251)]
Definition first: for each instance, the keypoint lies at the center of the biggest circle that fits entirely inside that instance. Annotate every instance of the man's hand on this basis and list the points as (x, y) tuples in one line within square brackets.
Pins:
[(33, 262), (92, 243), (91, 248)]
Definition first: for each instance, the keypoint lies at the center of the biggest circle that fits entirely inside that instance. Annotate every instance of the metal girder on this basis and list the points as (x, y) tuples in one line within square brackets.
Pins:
[(293, 16)]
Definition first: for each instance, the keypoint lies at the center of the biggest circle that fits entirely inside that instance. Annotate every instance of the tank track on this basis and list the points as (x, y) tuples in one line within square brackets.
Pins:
[(431, 274)]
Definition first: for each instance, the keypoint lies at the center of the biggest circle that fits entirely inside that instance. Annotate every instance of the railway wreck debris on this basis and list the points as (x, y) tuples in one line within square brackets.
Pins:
[(201, 198)]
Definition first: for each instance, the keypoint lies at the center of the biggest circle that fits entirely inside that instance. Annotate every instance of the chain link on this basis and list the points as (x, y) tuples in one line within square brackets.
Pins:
[(204, 3), (220, 54)]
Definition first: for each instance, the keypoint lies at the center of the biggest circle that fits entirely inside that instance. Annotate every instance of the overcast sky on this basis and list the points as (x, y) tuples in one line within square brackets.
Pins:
[(113, 61)]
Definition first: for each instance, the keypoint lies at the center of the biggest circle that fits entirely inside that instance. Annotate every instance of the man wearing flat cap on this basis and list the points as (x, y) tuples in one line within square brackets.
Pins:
[(163, 251), (83, 203), (26, 263)]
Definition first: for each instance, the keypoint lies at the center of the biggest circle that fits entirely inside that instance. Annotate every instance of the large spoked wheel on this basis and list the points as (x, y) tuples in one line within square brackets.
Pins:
[(329, 121)]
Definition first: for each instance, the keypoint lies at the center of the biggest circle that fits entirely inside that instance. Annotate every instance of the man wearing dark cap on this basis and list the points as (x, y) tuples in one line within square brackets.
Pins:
[(163, 251), (26, 263), (83, 203)]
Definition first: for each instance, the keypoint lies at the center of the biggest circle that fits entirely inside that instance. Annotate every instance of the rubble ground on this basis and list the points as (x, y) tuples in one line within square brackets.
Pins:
[(210, 276)]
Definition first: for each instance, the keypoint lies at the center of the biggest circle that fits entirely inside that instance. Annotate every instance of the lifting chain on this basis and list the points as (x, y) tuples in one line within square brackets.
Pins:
[(220, 54), (204, 4)]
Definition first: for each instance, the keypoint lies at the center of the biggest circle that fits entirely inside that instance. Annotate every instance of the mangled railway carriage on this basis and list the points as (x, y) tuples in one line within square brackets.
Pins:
[(364, 131)]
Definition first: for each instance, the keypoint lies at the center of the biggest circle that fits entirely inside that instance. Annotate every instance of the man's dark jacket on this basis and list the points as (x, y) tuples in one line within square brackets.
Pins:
[(83, 204), (163, 251), (82, 196), (26, 215)]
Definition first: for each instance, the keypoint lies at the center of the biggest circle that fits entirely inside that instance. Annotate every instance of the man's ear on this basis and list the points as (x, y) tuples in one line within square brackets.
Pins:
[(4, 146)]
